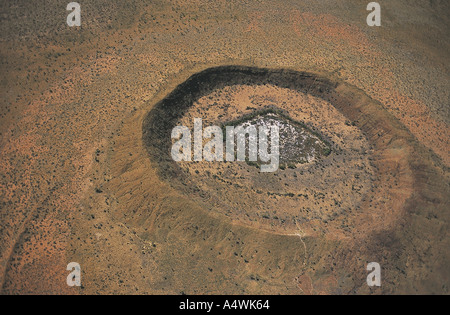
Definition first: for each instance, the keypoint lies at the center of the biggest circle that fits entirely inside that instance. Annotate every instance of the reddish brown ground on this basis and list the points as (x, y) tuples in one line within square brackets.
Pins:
[(70, 120)]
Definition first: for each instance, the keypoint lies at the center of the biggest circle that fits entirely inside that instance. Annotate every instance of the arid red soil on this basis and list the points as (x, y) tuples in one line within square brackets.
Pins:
[(76, 183)]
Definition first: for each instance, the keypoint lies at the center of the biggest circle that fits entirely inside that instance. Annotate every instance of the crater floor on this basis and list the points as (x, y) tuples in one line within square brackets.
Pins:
[(297, 144)]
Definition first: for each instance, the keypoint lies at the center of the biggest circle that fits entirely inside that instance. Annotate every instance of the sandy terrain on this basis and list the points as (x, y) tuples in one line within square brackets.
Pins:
[(78, 184)]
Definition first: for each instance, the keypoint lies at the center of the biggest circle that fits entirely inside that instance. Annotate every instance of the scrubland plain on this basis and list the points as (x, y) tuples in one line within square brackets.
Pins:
[(78, 182)]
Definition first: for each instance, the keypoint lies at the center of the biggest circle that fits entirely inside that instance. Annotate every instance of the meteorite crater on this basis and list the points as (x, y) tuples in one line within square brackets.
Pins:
[(325, 169)]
